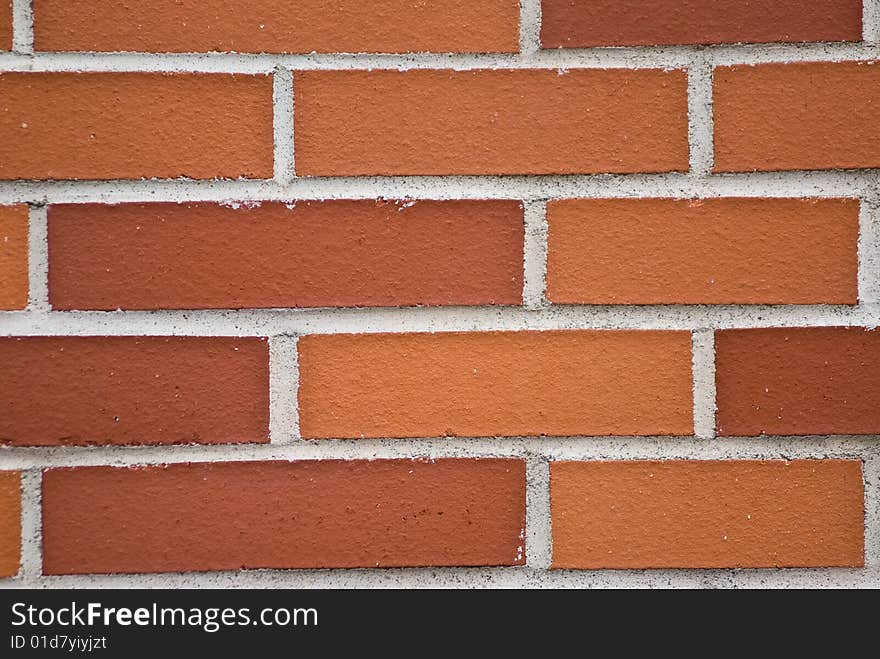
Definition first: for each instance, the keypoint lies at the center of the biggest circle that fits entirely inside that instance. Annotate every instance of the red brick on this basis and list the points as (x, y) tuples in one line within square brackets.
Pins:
[(590, 23), (496, 384), (13, 257), (278, 26), (10, 523), (310, 254), (135, 125), (807, 115), (490, 122), (133, 390), (5, 24), (751, 251), (315, 514), (707, 514), (798, 381)]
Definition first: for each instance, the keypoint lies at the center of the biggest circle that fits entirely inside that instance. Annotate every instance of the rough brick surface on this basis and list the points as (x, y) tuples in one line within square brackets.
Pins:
[(490, 122), (311, 514), (808, 115), (135, 125), (10, 523), (496, 383), (751, 251), (13, 257), (133, 390), (707, 514), (798, 381), (308, 254), (278, 26), (589, 23), (5, 24)]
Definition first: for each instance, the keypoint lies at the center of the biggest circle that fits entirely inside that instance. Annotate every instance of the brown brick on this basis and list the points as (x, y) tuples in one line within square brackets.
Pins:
[(798, 381), (591, 23), (314, 514), (309, 254), (133, 390), (13, 257), (10, 523)]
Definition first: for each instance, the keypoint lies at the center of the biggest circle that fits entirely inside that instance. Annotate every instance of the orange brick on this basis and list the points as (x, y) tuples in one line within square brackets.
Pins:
[(309, 254), (808, 115), (278, 26), (10, 523), (798, 381), (496, 384), (711, 251), (135, 125), (591, 23), (309, 514), (490, 122), (707, 514), (13, 257)]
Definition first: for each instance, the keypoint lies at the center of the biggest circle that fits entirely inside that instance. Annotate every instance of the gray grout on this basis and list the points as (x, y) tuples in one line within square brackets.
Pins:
[(22, 27), (538, 540), (535, 255), (31, 526), (38, 260), (704, 383), (283, 125), (700, 124), (871, 21), (869, 251), (872, 510), (283, 387), (530, 27)]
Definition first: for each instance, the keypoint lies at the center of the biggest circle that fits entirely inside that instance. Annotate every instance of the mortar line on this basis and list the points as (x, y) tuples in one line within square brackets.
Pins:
[(641, 57), (31, 525), (282, 93), (872, 510), (497, 577), (539, 539), (817, 184), (535, 232), (22, 27), (529, 27), (869, 251), (703, 347), (700, 119), (283, 388), (38, 259), (270, 322), (535, 448)]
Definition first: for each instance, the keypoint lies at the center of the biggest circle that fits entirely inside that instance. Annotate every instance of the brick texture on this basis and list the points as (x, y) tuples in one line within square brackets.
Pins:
[(311, 514), (133, 390), (13, 257), (798, 381), (751, 251), (135, 125), (5, 24), (10, 523), (309, 254), (495, 383), (707, 514), (590, 23), (278, 26), (818, 115), (490, 122)]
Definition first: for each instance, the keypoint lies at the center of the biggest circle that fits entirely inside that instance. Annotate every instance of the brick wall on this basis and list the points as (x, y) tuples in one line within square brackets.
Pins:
[(560, 293)]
